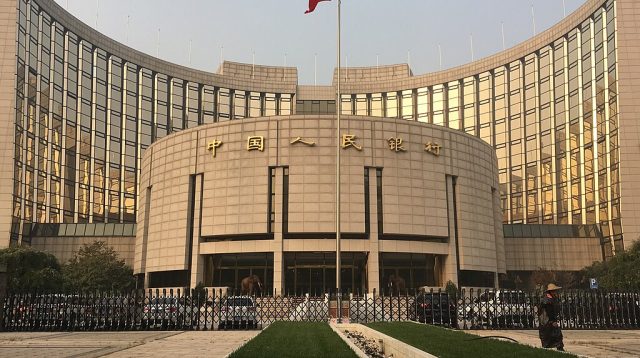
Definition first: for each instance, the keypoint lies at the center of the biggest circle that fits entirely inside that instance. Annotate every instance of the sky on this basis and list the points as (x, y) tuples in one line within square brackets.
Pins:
[(198, 33)]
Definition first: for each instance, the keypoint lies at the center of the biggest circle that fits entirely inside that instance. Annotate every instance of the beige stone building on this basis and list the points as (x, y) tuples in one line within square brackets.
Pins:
[(224, 201), (99, 141)]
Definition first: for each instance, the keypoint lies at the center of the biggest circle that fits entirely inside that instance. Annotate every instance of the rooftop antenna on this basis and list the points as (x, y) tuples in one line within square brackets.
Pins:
[(564, 9), (190, 52), (253, 63), (221, 54), (346, 67), (128, 23), (377, 65), (533, 20), (440, 55), (504, 47), (409, 58), (471, 41), (97, 9)]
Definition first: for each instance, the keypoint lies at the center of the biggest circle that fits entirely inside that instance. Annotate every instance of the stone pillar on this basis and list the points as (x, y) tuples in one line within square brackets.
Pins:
[(278, 256), (450, 262), (373, 259), (197, 260)]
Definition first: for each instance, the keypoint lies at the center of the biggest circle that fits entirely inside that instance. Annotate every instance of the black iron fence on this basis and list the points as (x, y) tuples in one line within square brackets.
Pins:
[(209, 310), (507, 309)]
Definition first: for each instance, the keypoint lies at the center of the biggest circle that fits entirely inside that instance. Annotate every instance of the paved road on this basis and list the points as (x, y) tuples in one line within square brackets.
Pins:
[(596, 344), (122, 344)]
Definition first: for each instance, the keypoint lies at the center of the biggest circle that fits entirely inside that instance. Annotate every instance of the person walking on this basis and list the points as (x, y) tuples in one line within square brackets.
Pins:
[(549, 317)]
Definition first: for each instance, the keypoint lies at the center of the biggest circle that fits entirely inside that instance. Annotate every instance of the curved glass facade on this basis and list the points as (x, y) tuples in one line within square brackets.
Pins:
[(552, 117), (85, 116)]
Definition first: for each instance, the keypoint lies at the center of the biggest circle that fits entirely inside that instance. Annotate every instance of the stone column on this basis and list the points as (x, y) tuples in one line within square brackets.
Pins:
[(450, 262), (278, 260), (373, 259), (197, 260)]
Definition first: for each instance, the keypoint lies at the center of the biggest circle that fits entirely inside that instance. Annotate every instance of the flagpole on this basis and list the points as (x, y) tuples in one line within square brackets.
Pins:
[(338, 110)]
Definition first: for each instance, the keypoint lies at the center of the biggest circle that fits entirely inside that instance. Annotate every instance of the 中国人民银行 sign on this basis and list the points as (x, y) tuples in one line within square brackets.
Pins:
[(347, 141)]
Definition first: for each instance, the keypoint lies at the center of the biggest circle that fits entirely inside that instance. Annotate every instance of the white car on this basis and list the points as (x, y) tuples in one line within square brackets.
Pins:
[(311, 310), (367, 310), (498, 309), (168, 311), (238, 312)]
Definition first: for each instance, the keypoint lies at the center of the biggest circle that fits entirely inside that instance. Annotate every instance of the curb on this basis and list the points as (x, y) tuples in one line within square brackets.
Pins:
[(346, 340), (405, 350)]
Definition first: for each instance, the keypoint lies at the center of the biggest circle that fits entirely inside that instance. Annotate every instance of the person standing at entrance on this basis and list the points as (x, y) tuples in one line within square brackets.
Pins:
[(549, 317)]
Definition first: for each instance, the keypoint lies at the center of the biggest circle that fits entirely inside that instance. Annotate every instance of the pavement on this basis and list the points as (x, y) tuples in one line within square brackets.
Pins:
[(122, 344), (592, 343)]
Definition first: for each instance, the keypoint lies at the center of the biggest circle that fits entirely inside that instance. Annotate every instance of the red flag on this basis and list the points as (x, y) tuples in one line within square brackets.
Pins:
[(313, 4)]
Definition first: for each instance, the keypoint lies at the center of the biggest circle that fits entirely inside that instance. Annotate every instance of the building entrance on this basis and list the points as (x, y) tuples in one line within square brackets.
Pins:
[(315, 272), (228, 270)]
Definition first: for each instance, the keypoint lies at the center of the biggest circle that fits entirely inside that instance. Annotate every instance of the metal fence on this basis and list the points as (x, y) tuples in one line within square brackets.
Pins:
[(508, 309), (209, 310)]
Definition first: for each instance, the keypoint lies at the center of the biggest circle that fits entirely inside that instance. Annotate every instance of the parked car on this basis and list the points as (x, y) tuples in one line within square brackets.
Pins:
[(367, 309), (498, 309), (238, 312), (168, 311), (310, 310), (434, 308)]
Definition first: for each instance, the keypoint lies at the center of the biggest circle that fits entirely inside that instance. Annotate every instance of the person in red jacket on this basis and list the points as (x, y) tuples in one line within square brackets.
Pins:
[(549, 317)]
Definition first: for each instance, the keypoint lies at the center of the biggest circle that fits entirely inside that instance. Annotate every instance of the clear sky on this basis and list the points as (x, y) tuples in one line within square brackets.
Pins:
[(390, 31)]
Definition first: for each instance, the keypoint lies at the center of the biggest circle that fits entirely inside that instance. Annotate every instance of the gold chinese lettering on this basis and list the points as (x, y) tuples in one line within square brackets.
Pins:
[(211, 146), (349, 140), (433, 148), (255, 143), (395, 144), (300, 140)]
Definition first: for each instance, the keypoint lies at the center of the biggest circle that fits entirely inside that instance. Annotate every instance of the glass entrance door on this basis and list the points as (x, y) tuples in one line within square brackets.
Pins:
[(315, 272)]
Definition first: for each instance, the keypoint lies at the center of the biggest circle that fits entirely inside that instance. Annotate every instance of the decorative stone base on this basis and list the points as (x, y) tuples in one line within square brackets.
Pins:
[(391, 347)]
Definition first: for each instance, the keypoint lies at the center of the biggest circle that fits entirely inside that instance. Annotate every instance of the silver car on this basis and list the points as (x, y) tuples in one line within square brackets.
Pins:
[(238, 312), (167, 311)]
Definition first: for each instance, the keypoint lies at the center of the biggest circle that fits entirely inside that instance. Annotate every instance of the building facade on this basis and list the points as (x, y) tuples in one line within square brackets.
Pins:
[(223, 201), (78, 111)]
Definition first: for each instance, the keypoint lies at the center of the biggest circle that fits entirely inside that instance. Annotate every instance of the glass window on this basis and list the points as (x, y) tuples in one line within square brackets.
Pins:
[(376, 105), (438, 104), (469, 105), (407, 104), (177, 105), (255, 104), (224, 104), (362, 105), (239, 104), (423, 105), (286, 105), (392, 105), (208, 104)]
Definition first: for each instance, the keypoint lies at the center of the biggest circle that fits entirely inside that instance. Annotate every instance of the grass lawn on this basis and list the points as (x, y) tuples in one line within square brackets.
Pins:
[(296, 339), (446, 343)]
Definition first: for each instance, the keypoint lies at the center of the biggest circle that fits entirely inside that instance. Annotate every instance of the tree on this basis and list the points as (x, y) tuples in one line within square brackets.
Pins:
[(621, 272), (542, 277), (31, 270), (96, 267)]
